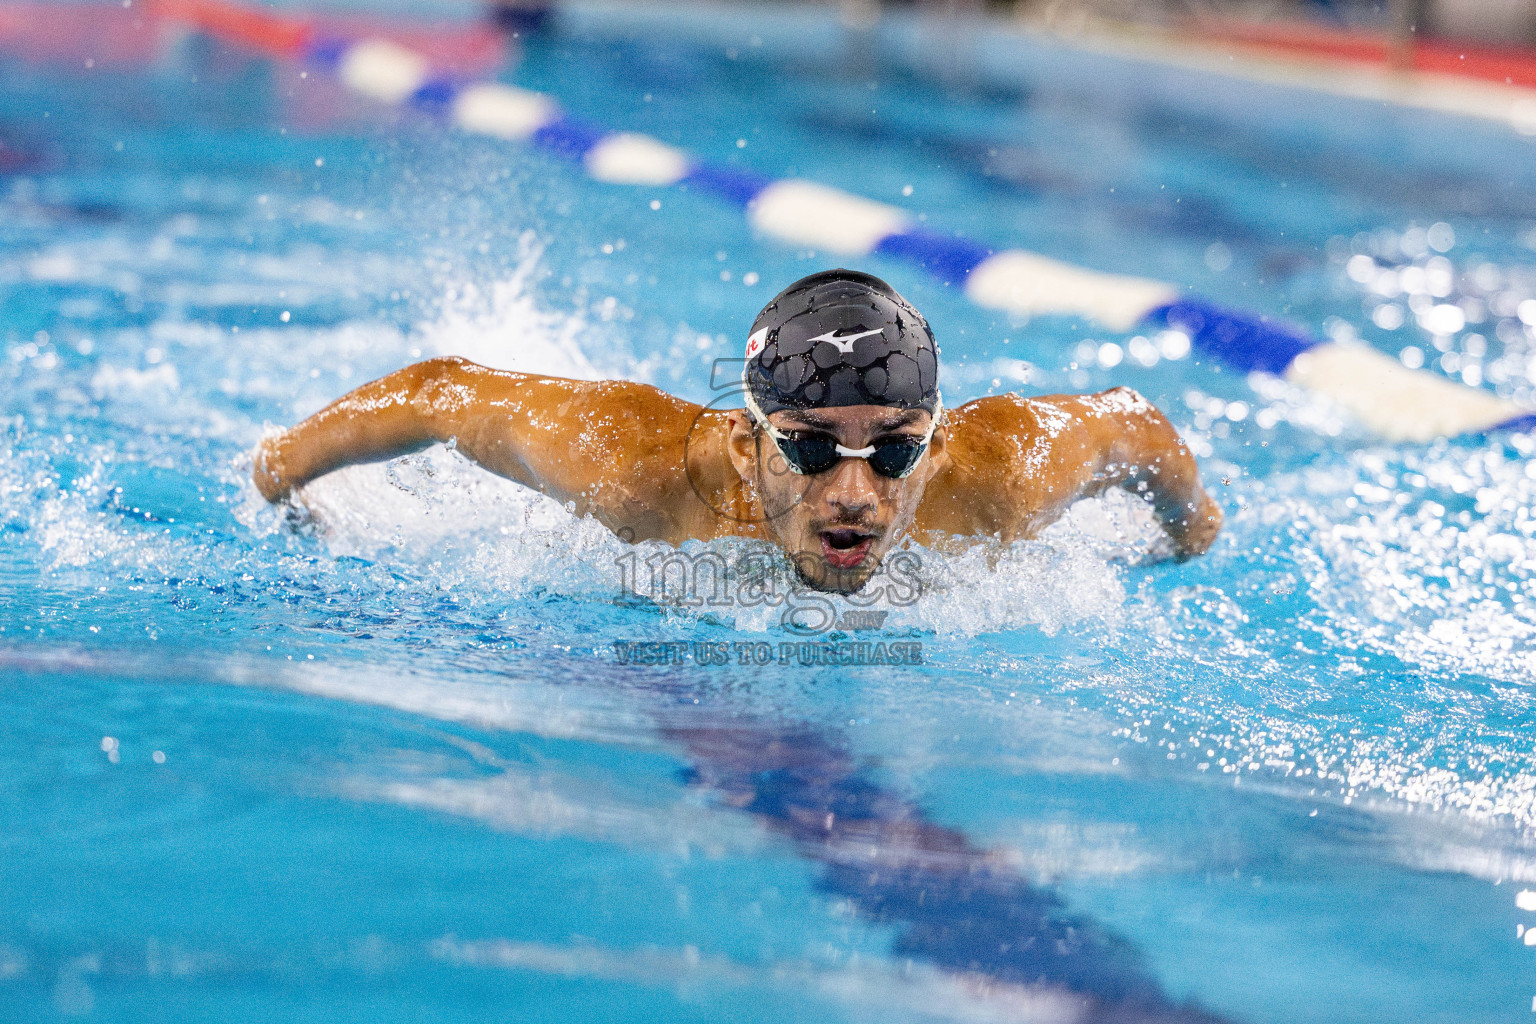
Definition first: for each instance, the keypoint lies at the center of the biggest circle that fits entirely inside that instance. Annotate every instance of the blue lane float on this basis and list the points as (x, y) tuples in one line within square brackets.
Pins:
[(1397, 403), (1239, 341)]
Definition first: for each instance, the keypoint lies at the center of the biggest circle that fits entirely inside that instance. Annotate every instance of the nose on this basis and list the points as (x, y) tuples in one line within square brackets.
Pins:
[(851, 490)]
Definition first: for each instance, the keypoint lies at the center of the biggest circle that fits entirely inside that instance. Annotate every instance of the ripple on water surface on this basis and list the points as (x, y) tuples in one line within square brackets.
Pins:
[(1357, 651)]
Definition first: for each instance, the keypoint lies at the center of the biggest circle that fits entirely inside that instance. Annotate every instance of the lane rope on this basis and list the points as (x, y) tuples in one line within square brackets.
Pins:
[(1397, 403)]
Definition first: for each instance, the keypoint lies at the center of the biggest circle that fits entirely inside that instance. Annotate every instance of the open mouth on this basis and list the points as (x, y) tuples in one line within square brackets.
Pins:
[(845, 549)]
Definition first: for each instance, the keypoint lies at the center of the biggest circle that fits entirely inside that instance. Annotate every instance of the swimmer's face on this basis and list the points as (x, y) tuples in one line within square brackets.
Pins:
[(836, 526)]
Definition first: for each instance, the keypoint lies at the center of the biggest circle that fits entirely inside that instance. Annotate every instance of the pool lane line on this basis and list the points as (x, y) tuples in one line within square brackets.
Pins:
[(962, 908), (1508, 100), (1395, 402), (971, 912)]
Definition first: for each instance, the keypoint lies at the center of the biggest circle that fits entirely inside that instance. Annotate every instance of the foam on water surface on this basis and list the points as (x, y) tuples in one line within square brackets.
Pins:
[(1252, 760), (1384, 568)]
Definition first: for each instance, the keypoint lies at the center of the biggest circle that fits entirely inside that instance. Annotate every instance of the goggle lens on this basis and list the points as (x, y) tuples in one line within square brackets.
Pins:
[(809, 456), (812, 455), (895, 459)]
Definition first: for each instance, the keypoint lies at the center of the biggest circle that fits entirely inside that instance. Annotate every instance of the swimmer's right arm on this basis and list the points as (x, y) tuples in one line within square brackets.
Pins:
[(587, 442), (381, 420)]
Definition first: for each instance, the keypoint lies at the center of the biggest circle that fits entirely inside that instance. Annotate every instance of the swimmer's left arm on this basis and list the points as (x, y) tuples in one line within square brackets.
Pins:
[(1118, 439)]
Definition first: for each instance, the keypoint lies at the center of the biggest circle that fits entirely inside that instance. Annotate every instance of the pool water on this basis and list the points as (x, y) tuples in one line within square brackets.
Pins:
[(385, 757)]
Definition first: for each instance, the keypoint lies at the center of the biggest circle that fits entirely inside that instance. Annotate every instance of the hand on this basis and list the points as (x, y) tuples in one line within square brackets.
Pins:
[(267, 472), (1194, 532)]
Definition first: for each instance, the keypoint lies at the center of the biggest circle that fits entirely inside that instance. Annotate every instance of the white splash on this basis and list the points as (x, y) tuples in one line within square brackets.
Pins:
[(419, 502), (507, 327)]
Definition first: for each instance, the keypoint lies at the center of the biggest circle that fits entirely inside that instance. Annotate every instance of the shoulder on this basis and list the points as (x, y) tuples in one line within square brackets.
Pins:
[(631, 399), (1044, 418), (1005, 419), (618, 411), (1045, 410), (1116, 403), (639, 418), (999, 450)]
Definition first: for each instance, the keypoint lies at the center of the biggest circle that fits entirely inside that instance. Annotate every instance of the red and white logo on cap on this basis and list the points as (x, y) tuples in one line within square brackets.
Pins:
[(756, 341)]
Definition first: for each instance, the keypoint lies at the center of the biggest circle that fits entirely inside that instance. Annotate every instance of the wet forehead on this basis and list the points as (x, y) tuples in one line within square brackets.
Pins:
[(851, 417)]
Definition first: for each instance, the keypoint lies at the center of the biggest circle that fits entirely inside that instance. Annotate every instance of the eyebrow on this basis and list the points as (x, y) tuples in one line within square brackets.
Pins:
[(815, 422)]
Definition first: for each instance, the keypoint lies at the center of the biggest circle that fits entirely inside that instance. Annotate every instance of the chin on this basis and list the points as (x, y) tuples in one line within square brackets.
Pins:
[(816, 573)]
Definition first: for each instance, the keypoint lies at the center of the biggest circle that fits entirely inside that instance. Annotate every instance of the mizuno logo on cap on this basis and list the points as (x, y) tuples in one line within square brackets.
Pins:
[(843, 345)]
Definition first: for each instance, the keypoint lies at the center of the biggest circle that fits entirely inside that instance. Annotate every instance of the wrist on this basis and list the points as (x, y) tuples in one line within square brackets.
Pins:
[(268, 473), (1195, 527)]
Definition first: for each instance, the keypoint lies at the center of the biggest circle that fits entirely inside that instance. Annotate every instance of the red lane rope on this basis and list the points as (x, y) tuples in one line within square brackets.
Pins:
[(455, 48), (1506, 65), (98, 36), (259, 30)]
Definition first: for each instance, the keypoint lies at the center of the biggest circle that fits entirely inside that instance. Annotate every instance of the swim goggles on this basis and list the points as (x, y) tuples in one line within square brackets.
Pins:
[(892, 457)]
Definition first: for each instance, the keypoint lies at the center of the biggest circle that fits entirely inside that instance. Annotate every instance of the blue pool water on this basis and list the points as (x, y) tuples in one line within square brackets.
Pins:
[(383, 761)]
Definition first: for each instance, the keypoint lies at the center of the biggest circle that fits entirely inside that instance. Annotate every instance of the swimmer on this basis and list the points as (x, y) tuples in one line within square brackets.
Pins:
[(843, 449)]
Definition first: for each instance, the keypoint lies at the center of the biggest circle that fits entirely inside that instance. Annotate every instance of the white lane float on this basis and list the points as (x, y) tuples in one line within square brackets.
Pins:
[(1396, 402)]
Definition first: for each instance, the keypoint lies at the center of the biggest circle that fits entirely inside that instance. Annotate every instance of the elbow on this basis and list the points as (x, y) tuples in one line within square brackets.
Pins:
[(1140, 424), (1141, 416), (1130, 403), (439, 370), (1126, 395), (443, 364), (442, 391)]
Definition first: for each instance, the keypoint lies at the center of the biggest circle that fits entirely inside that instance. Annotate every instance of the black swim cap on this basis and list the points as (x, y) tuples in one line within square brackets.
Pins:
[(841, 338)]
